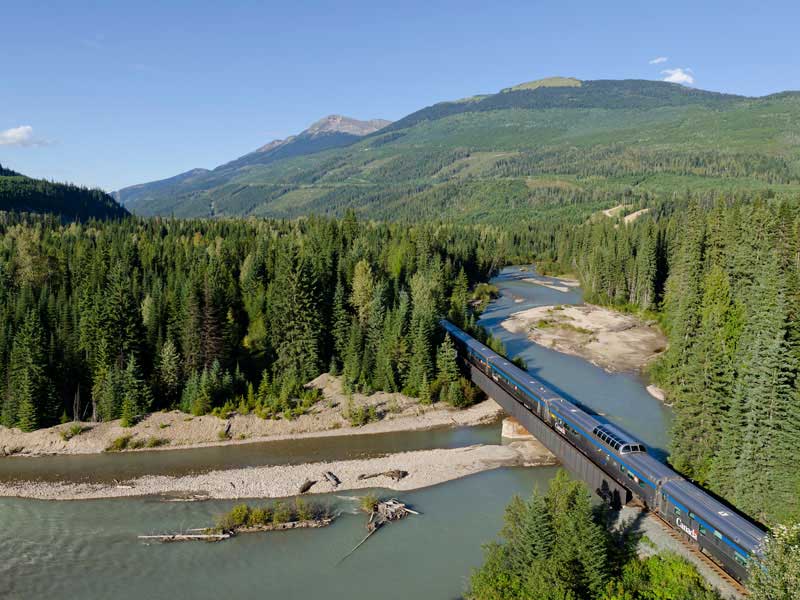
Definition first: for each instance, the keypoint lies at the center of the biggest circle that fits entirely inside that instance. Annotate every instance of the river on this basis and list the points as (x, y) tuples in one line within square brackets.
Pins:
[(88, 549)]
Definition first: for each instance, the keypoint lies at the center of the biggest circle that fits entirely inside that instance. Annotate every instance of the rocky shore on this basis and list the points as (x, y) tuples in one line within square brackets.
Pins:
[(609, 339), (175, 429), (424, 468)]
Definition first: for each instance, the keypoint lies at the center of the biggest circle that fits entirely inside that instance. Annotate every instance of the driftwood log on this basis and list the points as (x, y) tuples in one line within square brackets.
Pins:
[(208, 536), (395, 474), (384, 511), (332, 478), (307, 485), (187, 537)]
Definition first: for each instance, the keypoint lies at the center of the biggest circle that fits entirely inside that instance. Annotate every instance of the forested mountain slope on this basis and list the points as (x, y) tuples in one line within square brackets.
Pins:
[(558, 145), (333, 131), (24, 194)]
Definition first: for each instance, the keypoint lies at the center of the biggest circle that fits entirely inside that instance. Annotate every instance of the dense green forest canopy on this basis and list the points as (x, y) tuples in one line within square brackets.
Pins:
[(24, 194), (109, 320), (724, 272), (557, 545), (563, 148)]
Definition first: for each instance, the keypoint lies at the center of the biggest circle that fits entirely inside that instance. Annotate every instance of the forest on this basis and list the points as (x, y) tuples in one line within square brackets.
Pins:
[(107, 320), (559, 545), (723, 276), (20, 193)]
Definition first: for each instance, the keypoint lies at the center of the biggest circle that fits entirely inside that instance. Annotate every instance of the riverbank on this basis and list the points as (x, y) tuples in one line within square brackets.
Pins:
[(558, 284), (424, 468), (174, 429), (606, 338)]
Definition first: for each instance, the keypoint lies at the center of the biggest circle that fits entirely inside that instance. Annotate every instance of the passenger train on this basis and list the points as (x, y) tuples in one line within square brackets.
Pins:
[(717, 530)]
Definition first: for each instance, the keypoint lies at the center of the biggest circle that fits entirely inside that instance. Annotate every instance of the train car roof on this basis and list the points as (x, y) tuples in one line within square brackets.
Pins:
[(650, 467), (716, 514)]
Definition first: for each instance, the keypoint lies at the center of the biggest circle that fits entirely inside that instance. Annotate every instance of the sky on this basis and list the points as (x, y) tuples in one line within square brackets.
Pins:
[(112, 93)]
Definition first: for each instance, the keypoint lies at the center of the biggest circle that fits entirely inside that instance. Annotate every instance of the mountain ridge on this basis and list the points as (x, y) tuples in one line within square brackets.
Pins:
[(526, 149), (20, 193), (332, 131)]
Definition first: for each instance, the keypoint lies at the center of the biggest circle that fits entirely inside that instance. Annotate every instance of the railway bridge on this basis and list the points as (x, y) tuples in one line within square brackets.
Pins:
[(575, 461), (614, 464)]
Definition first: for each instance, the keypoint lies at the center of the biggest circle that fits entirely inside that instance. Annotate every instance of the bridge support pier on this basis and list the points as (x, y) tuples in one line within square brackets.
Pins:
[(572, 459)]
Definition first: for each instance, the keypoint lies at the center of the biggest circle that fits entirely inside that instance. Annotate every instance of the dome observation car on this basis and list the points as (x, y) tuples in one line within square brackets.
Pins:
[(618, 440)]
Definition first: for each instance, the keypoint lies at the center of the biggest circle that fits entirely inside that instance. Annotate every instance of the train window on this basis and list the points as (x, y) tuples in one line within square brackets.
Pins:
[(703, 530), (630, 475), (717, 534), (677, 511), (692, 515), (622, 468), (742, 560)]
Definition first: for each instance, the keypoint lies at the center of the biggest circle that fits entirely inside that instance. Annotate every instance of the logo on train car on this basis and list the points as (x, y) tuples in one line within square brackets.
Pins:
[(686, 529)]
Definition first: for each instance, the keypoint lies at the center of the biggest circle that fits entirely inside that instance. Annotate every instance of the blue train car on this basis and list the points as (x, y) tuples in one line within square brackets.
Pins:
[(714, 528)]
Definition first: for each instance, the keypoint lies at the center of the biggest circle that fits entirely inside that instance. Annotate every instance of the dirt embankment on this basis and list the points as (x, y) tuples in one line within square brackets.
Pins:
[(606, 338), (424, 468), (174, 429)]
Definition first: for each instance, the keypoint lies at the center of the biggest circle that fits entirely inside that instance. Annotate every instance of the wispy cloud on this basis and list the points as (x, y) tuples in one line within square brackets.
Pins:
[(19, 136), (659, 60), (684, 76)]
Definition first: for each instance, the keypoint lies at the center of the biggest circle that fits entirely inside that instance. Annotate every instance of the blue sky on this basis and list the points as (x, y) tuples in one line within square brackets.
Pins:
[(110, 93)]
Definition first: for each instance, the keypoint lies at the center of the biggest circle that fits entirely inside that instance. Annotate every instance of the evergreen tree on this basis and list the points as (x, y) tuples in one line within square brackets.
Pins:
[(169, 372), (135, 395), (341, 323), (363, 290), (764, 397), (459, 299), (422, 329), (776, 576), (446, 361), (29, 394), (700, 410)]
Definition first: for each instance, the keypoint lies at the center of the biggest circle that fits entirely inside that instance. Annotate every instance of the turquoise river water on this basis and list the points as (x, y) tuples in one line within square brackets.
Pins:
[(88, 549)]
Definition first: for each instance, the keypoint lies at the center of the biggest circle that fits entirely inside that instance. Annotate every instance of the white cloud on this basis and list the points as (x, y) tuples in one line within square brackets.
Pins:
[(680, 75), (18, 136), (658, 60)]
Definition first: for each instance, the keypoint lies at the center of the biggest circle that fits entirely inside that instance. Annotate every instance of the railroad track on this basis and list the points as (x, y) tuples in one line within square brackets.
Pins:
[(704, 558)]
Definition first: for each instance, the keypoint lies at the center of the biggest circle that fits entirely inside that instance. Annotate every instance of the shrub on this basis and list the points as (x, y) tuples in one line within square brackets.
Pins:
[(238, 516), (223, 435), (155, 442), (137, 443), (260, 516), (119, 444), (369, 502), (362, 415), (281, 513), (74, 430), (163, 425), (303, 510)]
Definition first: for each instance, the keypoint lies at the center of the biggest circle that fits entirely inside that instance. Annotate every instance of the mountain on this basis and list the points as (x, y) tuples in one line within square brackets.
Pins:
[(333, 131), (558, 144), (19, 193)]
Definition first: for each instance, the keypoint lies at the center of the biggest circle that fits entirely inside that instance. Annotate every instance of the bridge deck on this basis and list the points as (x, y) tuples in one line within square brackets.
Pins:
[(598, 480)]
